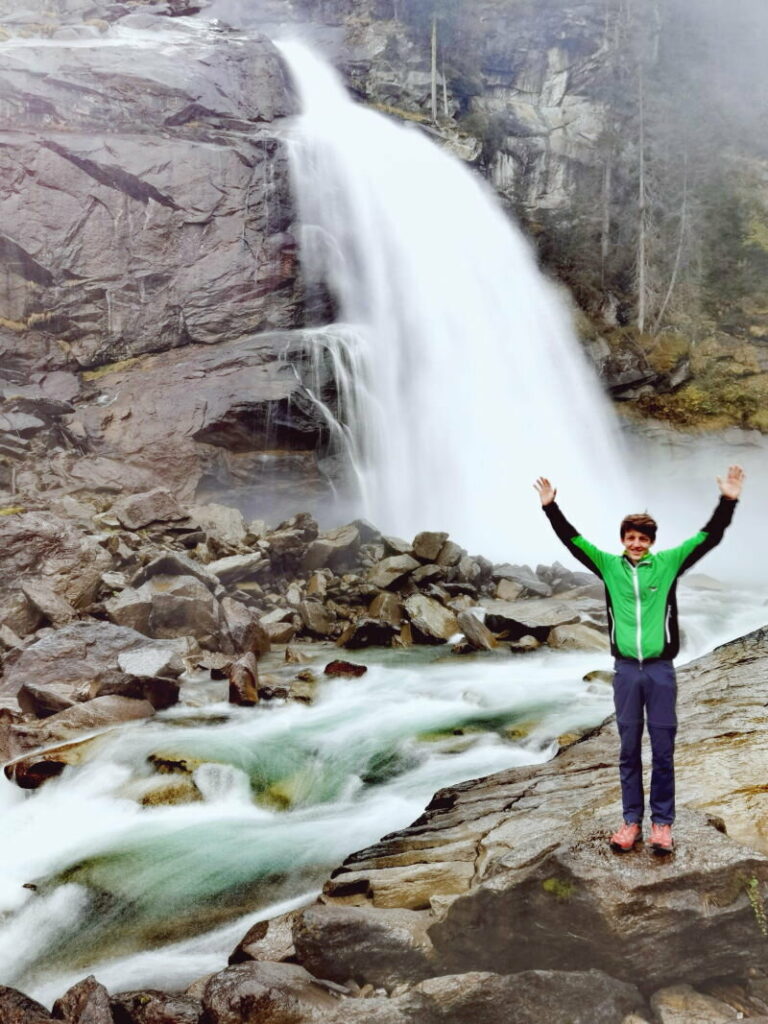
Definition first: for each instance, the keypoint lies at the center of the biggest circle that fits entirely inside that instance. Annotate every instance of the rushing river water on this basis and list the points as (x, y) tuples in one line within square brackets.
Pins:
[(155, 895)]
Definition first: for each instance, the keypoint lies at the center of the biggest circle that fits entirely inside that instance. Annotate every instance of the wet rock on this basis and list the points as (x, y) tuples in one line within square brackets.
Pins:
[(478, 635), (87, 1002), (16, 1008), (388, 573), (99, 713), (155, 1007), (578, 637), (336, 549), (431, 621), (266, 940), (139, 510), (345, 668), (681, 1004), (265, 992), (381, 947), (244, 681), (367, 632), (427, 546), (160, 692)]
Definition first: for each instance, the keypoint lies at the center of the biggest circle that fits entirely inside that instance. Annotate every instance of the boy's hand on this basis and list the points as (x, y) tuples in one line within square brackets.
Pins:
[(731, 486), (546, 491)]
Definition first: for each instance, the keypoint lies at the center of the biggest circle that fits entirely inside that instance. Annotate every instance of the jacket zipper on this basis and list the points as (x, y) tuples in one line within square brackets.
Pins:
[(638, 617), (666, 624)]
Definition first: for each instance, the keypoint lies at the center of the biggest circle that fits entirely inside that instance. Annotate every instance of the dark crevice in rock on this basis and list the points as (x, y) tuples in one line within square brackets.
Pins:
[(114, 177)]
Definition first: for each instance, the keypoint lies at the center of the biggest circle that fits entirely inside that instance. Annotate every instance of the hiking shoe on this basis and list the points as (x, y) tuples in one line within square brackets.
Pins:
[(661, 839), (624, 839)]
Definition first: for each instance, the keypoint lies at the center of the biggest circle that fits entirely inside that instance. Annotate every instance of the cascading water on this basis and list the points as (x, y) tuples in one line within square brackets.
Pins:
[(468, 380)]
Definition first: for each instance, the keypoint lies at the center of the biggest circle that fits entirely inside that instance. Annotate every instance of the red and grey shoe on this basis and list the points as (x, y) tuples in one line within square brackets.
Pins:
[(661, 841), (626, 837)]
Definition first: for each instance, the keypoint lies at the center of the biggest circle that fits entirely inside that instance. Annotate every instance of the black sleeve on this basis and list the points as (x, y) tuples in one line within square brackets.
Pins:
[(567, 533), (718, 522)]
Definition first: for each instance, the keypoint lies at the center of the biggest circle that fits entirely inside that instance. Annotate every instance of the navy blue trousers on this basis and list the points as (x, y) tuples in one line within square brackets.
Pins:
[(640, 693)]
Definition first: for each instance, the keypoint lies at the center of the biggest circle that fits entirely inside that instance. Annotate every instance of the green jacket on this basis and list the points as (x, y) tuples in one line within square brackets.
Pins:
[(641, 599)]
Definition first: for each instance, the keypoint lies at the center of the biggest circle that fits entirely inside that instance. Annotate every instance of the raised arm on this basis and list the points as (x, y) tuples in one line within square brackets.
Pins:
[(710, 535), (590, 556)]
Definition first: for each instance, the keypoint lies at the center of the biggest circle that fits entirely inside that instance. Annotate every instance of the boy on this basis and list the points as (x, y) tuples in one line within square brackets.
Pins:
[(642, 618)]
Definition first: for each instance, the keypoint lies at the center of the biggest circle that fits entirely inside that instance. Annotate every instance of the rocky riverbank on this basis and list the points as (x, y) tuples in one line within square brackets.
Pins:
[(503, 902), (102, 613)]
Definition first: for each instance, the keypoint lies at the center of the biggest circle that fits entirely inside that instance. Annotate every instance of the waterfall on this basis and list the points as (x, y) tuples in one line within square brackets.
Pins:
[(468, 379)]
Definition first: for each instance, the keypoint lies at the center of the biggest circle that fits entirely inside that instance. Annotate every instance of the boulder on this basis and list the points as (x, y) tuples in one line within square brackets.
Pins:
[(681, 1004), (244, 628), (557, 997), (280, 632), (382, 947), (336, 549), (367, 632), (52, 607), (266, 940), (269, 993), (93, 715), (87, 1002), (477, 633), (390, 572), (450, 554), (578, 637), (236, 568), (145, 662), (427, 546), (174, 563), (73, 662), (244, 681), (136, 511), (154, 1007), (226, 525), (50, 554), (524, 576), (316, 618), (387, 607), (431, 621), (170, 606), (345, 669), (508, 590), (16, 1008)]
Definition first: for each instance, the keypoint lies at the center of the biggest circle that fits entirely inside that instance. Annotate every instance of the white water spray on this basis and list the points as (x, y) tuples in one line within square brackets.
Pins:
[(469, 380)]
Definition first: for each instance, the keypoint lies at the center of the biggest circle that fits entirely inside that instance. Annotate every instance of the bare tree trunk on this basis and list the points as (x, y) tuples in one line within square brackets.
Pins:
[(605, 229), (445, 93), (434, 67), (679, 251), (641, 213)]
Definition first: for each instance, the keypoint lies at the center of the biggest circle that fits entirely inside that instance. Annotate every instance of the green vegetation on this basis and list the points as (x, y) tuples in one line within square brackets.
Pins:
[(560, 888)]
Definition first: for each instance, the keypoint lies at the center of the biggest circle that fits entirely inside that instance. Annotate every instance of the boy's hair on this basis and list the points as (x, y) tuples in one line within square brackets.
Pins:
[(641, 522)]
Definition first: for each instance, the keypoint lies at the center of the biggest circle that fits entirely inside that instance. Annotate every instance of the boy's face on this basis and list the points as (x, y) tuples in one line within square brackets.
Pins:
[(636, 544)]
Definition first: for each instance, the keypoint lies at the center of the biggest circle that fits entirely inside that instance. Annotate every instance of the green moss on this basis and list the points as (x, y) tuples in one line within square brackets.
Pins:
[(560, 888), (755, 897), (12, 510)]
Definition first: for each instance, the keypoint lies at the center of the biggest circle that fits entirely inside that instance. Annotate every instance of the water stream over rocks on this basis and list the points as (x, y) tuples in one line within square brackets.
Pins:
[(148, 894)]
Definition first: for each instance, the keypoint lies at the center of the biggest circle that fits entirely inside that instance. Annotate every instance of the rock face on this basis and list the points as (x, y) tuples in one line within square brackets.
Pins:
[(165, 256)]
